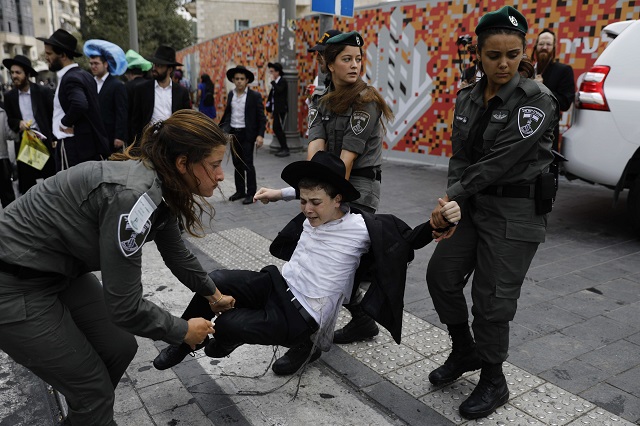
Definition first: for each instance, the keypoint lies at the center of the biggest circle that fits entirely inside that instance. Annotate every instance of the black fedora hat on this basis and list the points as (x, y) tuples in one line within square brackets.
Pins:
[(240, 69), (21, 61), (323, 166), (165, 55), (64, 40), (276, 66)]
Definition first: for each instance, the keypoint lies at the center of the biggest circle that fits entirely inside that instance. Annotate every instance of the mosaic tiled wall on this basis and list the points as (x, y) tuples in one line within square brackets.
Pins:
[(412, 58)]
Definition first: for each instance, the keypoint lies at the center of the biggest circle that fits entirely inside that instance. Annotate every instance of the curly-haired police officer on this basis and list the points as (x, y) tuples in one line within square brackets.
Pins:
[(502, 135)]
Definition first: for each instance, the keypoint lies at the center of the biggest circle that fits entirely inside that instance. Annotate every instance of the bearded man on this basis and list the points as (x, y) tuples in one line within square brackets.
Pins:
[(556, 76), (29, 105), (77, 124), (155, 100)]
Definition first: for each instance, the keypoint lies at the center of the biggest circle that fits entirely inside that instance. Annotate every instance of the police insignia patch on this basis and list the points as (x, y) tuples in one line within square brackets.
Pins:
[(129, 240), (359, 121), (529, 120), (313, 113)]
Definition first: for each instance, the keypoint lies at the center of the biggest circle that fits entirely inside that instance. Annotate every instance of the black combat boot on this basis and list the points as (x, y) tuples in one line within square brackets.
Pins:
[(490, 393), (360, 327), (173, 355), (463, 357)]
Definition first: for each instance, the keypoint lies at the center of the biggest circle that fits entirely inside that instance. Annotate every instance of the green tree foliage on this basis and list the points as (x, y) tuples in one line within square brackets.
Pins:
[(158, 23)]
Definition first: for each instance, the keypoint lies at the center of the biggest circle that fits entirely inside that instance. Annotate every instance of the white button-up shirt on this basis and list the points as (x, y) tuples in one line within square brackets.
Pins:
[(162, 102), (26, 107), (100, 81), (322, 268), (58, 112), (238, 104)]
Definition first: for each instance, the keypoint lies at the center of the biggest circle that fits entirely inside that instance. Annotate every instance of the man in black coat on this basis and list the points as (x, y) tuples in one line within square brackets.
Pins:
[(556, 76), (244, 119), (77, 123), (155, 100), (277, 104), (114, 103), (36, 106)]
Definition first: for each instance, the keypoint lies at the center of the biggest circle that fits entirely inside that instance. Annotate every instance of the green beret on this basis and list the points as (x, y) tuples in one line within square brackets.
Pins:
[(348, 39), (507, 17)]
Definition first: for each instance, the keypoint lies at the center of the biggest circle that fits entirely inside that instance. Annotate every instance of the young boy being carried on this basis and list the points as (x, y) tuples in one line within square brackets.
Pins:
[(327, 247)]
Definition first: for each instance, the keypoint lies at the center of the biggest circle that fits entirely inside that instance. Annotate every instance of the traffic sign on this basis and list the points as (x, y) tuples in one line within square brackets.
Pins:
[(333, 7)]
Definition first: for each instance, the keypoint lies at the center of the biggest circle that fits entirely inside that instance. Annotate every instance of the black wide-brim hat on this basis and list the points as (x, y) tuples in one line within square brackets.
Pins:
[(240, 69), (322, 43), (276, 66), (64, 40), (164, 55), (21, 61), (325, 167)]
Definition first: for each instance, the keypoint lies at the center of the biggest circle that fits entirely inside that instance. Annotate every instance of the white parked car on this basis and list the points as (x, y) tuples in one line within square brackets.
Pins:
[(602, 145)]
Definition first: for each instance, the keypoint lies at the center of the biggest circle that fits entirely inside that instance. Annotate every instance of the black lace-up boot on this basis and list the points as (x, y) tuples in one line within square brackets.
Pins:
[(490, 393), (463, 357)]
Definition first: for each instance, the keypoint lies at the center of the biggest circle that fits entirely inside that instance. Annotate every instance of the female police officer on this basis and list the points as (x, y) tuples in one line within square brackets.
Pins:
[(55, 316), (502, 134), (346, 119)]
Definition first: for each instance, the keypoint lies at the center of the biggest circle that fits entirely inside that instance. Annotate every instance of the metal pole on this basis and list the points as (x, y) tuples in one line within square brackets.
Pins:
[(287, 57), (133, 26)]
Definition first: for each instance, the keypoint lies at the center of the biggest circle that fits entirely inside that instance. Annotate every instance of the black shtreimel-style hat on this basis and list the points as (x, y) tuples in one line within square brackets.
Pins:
[(507, 17), (21, 61), (276, 66), (322, 43), (240, 69), (64, 40), (325, 167), (352, 38), (164, 55)]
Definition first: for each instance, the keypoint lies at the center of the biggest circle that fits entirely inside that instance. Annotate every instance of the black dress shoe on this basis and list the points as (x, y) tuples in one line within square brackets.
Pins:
[(458, 363), (218, 349), (248, 199), (173, 355), (361, 327), (282, 153), (293, 359), (488, 395), (237, 196)]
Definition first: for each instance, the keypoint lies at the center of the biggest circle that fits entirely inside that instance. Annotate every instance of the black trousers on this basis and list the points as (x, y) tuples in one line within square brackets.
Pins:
[(278, 122), (245, 172), (59, 329), (263, 313), (6, 187), (72, 155)]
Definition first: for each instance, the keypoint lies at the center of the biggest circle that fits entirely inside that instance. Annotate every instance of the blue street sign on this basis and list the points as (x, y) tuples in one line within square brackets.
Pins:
[(333, 7)]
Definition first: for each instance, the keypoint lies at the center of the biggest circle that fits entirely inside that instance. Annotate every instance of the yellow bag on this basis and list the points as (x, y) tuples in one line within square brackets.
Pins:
[(32, 151)]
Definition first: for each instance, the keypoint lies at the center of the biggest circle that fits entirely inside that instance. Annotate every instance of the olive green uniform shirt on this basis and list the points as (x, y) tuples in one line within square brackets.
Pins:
[(75, 222)]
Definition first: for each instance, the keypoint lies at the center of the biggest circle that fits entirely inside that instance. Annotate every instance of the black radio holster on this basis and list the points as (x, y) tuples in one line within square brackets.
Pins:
[(545, 193)]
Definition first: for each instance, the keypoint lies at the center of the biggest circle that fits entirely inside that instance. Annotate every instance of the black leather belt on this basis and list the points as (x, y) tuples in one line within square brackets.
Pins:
[(369, 173), (23, 272), (313, 325), (237, 130), (511, 191)]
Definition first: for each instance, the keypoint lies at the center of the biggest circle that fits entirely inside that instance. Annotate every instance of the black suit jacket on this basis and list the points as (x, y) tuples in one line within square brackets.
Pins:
[(392, 247), (559, 79), (42, 105), (143, 102), (78, 96), (279, 93), (255, 122), (114, 108)]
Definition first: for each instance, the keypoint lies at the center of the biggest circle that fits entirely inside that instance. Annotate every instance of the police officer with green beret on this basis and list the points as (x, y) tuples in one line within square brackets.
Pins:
[(502, 136), (346, 119), (56, 318)]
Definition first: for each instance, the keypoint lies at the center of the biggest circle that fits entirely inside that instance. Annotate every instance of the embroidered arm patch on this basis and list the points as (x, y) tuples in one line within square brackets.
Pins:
[(359, 121), (529, 120), (129, 240)]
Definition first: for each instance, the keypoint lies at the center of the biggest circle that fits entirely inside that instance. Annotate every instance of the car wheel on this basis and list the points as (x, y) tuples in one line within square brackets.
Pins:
[(633, 204)]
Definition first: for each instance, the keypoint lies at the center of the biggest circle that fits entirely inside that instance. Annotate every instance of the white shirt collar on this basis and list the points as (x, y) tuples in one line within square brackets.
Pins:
[(156, 85), (64, 70)]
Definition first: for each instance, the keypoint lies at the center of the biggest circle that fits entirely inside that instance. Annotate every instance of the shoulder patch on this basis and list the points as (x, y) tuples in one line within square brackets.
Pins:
[(129, 240), (359, 121), (313, 114), (529, 120)]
